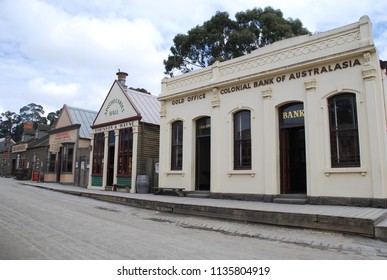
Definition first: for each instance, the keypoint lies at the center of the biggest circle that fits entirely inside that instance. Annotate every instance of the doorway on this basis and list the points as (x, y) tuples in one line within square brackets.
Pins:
[(110, 171), (292, 149), (110, 167), (203, 154)]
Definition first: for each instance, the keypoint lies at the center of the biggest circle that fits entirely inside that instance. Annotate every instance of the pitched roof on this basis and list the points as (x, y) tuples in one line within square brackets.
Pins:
[(3, 144), (83, 117), (146, 104)]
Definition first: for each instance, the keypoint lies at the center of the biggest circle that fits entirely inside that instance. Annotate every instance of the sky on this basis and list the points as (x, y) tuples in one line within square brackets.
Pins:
[(56, 52)]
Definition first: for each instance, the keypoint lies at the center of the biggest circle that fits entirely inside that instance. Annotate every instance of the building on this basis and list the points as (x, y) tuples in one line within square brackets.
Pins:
[(69, 147), (301, 119), (125, 139), (7, 163), (30, 153)]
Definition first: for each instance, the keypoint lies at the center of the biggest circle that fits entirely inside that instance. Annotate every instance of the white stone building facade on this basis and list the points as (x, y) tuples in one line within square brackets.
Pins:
[(303, 116)]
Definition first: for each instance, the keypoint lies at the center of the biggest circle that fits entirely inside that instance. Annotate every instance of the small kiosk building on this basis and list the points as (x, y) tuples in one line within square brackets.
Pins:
[(125, 139)]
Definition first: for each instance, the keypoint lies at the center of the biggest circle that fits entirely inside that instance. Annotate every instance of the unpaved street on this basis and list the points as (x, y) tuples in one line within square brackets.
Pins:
[(41, 224)]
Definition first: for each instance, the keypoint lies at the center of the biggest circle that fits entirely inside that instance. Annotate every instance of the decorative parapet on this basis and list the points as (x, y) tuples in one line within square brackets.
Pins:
[(194, 78), (295, 52)]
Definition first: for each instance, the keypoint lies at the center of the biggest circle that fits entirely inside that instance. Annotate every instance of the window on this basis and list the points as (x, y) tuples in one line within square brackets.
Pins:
[(99, 142), (67, 158), (125, 152), (51, 163), (21, 161), (177, 146), (242, 140), (344, 130)]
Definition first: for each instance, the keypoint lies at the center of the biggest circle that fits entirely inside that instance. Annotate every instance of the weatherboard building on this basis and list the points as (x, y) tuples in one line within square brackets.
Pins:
[(303, 119), (125, 140)]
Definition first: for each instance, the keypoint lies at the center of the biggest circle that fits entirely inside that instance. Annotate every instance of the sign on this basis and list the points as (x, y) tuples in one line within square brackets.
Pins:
[(190, 98), (19, 148), (36, 176), (292, 115), (292, 76), (113, 127), (62, 137), (114, 107), (54, 148)]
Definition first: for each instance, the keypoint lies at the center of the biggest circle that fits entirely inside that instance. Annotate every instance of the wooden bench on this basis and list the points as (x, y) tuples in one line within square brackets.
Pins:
[(119, 186), (178, 191)]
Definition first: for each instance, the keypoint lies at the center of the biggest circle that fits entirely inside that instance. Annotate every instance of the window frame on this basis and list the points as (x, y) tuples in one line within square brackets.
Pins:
[(340, 133), (98, 153), (177, 142), (125, 152), (67, 157), (51, 162), (242, 142)]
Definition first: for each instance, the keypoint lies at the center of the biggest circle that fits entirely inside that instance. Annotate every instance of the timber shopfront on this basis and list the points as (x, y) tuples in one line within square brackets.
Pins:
[(68, 158), (303, 119), (125, 139)]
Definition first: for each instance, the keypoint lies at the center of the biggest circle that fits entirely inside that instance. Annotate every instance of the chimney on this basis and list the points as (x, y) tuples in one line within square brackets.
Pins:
[(121, 77), (28, 125)]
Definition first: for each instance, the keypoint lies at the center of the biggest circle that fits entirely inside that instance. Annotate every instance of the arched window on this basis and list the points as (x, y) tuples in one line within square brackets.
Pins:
[(177, 146), (242, 140), (344, 133)]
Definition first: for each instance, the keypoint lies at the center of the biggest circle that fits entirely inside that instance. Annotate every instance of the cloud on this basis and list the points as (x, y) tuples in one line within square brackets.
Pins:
[(52, 89), (57, 50)]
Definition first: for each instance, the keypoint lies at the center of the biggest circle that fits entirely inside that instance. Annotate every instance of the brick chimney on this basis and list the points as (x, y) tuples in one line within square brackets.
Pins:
[(121, 77)]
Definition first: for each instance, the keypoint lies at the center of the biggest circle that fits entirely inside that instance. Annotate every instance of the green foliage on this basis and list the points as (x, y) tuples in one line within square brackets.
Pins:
[(8, 122), (53, 117), (32, 113), (222, 38), (140, 90)]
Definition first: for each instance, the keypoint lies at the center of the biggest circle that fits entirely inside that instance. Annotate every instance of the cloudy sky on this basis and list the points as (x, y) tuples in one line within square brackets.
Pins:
[(55, 52)]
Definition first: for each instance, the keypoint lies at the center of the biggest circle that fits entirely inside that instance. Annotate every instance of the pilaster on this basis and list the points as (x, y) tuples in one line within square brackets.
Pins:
[(134, 157), (116, 148), (269, 134), (91, 159), (105, 159), (312, 139), (376, 128), (215, 140)]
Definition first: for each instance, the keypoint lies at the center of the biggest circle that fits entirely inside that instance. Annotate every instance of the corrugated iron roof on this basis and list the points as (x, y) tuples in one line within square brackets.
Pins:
[(147, 105), (83, 117)]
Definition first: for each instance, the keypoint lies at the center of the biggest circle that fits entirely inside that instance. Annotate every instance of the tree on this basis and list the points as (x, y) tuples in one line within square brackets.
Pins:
[(52, 117), (12, 123), (8, 123), (222, 38), (143, 90), (32, 113)]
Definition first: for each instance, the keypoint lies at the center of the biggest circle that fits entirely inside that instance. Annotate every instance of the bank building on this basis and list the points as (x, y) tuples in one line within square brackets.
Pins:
[(303, 119)]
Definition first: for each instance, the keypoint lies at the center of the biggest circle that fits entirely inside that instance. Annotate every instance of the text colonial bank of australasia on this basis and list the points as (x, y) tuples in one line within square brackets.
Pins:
[(281, 78)]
